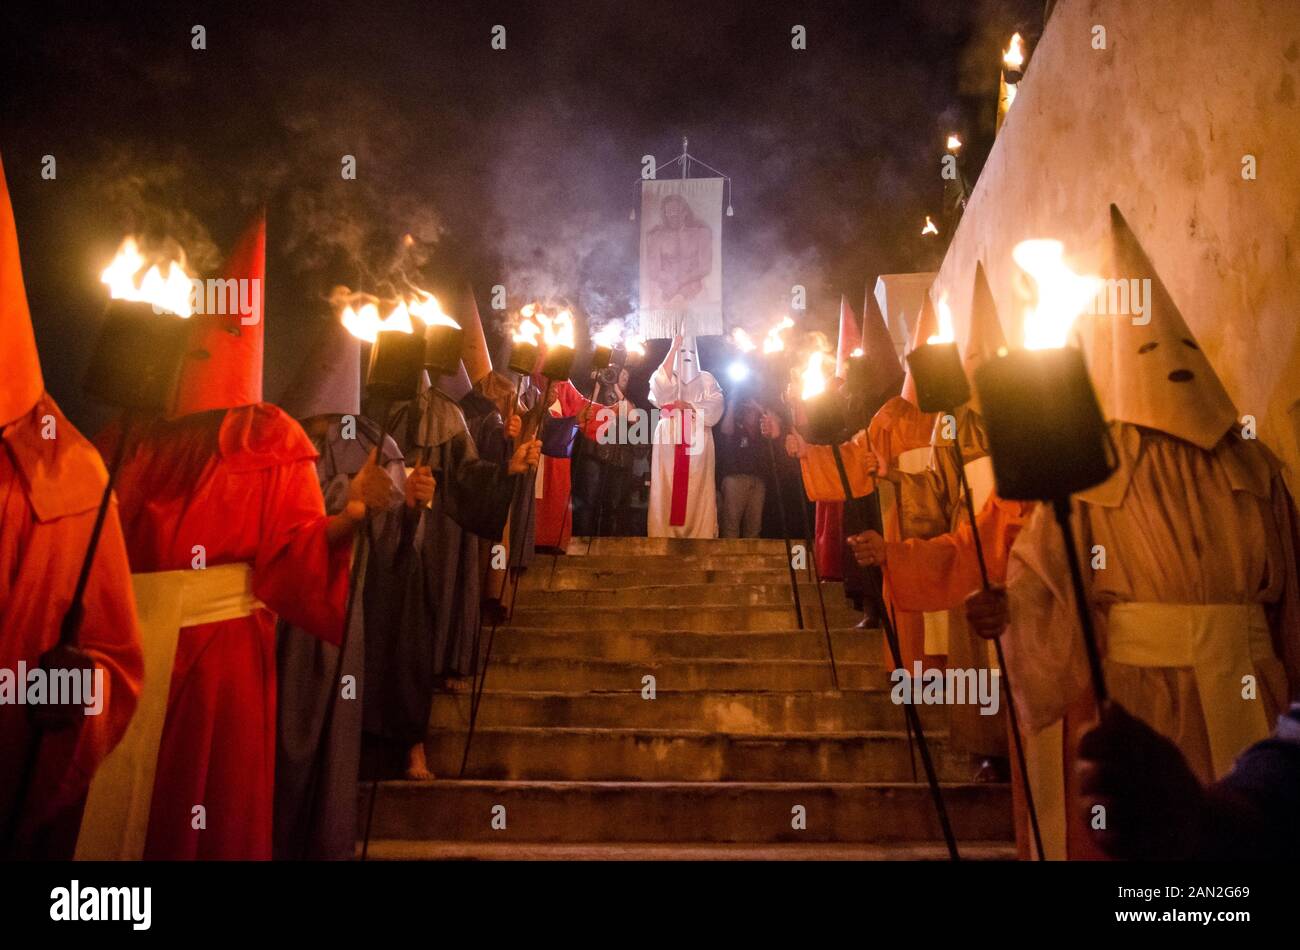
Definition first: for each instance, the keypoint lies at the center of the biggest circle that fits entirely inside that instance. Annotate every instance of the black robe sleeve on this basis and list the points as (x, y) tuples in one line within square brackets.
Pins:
[(478, 492)]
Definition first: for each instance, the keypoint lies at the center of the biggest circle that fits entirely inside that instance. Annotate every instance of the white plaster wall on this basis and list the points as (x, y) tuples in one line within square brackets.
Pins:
[(1158, 123)]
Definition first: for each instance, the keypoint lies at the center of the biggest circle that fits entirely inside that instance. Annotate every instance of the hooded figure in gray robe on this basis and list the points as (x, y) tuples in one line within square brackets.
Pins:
[(318, 728), (440, 582)]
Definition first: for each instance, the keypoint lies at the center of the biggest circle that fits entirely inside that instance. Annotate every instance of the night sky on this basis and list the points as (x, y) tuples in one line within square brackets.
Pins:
[(516, 167)]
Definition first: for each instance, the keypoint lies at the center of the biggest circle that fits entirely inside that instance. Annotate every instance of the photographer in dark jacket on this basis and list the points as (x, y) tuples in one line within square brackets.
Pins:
[(602, 467)]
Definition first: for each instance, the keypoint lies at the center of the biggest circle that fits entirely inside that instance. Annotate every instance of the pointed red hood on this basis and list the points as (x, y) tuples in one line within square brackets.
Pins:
[(223, 367), (21, 383), (850, 338), (927, 325), (884, 370)]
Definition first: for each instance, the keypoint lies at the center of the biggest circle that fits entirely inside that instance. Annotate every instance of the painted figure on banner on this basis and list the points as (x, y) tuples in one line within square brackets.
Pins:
[(680, 249)]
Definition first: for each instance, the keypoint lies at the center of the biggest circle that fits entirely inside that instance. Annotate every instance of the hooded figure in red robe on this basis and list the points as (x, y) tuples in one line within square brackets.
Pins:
[(226, 529), (51, 482)]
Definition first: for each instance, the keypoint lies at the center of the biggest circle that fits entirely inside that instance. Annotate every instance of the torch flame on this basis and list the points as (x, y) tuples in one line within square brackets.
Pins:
[(425, 306), (856, 354), (365, 324), (1013, 57), (170, 290), (608, 335), (742, 340), (814, 377), (944, 314), (634, 344), (929, 227), (528, 330), (558, 330), (1061, 293), (773, 343), (954, 143)]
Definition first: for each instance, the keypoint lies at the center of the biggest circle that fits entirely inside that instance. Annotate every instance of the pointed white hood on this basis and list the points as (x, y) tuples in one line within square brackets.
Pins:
[(1152, 372)]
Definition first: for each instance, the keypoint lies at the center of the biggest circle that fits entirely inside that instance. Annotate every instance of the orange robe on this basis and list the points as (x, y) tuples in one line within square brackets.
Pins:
[(822, 483), (50, 489), (938, 573), (242, 485)]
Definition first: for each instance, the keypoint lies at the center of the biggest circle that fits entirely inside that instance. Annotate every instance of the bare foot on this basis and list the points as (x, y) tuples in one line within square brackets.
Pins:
[(990, 770), (417, 769)]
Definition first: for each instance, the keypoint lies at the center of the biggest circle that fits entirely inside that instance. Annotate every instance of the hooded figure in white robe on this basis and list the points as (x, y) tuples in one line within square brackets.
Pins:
[(1191, 544), (683, 495)]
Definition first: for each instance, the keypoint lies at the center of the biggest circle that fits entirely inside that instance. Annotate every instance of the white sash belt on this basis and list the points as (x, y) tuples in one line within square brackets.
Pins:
[(1221, 643), (116, 819)]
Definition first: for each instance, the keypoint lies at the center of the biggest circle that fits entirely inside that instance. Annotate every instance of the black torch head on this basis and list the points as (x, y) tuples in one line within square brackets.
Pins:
[(396, 361), (523, 357), (601, 356), (1046, 432), (137, 357), (857, 377), (825, 413), (941, 382), (442, 349), (558, 363)]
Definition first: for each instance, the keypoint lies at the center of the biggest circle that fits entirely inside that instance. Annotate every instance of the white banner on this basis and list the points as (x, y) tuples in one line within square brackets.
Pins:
[(681, 257)]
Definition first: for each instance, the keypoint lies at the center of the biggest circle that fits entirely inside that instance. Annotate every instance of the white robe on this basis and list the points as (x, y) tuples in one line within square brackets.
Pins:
[(705, 395)]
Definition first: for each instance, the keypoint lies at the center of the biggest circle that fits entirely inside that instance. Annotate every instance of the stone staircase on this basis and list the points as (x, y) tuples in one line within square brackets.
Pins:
[(744, 725)]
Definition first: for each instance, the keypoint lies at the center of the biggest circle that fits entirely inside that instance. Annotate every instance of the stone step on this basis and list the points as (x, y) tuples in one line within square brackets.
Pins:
[(588, 674), (862, 646), (651, 617), (752, 713), (682, 564), (405, 850), (646, 755), (674, 547), (655, 812), (568, 577), (684, 595)]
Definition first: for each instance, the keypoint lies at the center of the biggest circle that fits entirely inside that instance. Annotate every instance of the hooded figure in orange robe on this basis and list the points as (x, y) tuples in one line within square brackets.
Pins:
[(937, 573), (828, 532), (222, 508), (898, 437), (51, 482)]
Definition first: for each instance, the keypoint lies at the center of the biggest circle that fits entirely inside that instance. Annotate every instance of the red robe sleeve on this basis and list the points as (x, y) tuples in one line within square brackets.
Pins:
[(928, 574), (297, 572)]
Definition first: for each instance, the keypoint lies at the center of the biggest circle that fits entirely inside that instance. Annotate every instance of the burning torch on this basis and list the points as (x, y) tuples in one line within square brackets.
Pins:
[(1047, 435), (134, 367), (942, 386), (826, 425), (1013, 65)]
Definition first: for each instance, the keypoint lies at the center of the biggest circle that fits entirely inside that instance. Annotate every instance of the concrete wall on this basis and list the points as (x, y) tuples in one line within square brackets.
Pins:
[(1158, 123)]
